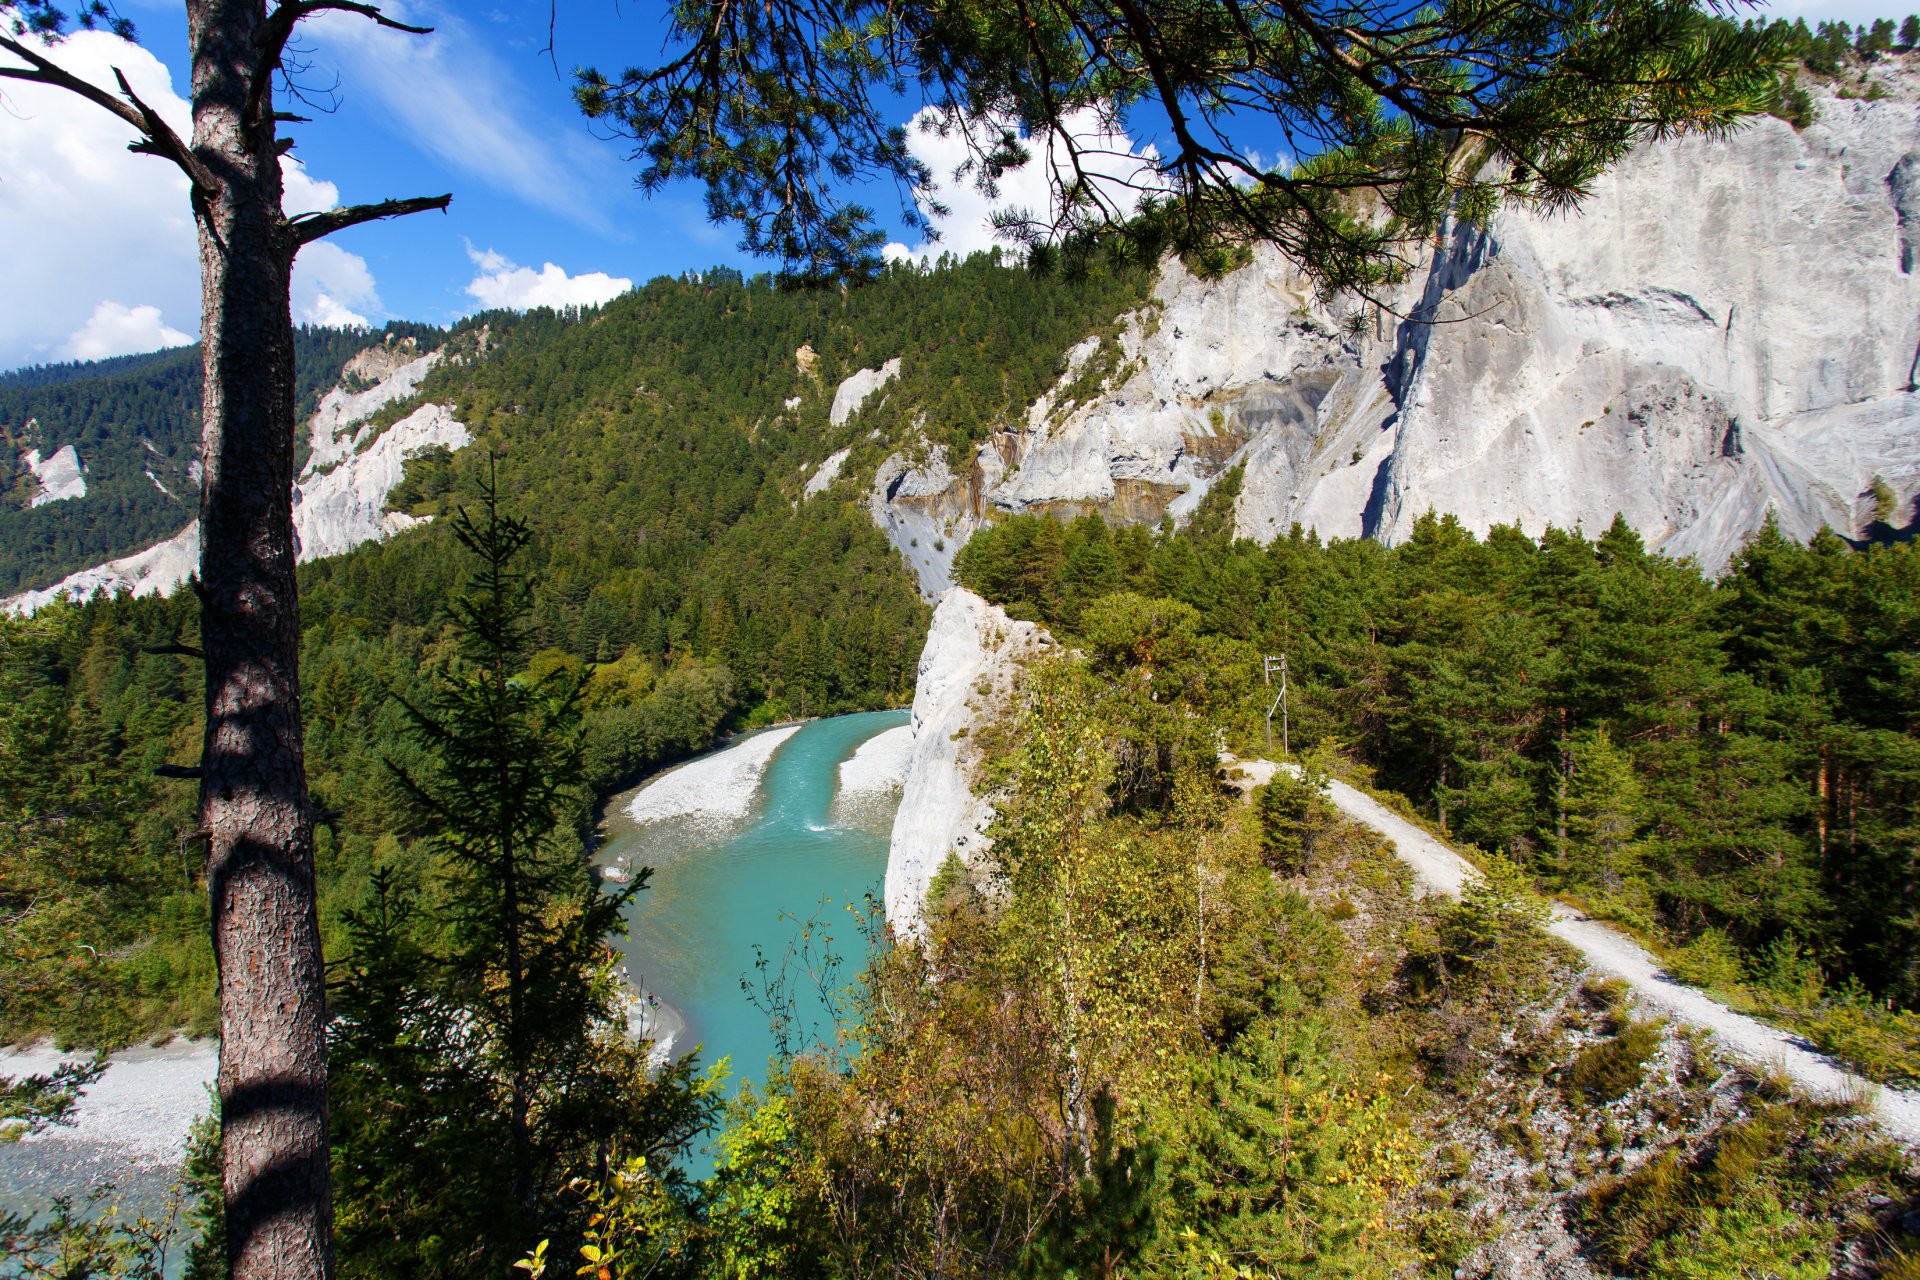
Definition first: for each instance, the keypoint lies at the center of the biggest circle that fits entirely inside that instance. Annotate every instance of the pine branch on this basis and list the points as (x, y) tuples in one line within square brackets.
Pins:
[(309, 227), (156, 136)]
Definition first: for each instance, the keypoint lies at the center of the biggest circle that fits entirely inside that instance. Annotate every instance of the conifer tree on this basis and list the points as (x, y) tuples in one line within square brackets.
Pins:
[(255, 812), (529, 1014)]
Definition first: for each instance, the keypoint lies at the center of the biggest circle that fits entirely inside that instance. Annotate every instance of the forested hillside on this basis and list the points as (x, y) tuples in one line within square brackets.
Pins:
[(135, 421), (652, 448), (1729, 767), (1173, 1034)]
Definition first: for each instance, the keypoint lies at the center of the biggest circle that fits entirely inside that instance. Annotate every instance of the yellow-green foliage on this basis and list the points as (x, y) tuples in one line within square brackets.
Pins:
[(1286, 1157), (1784, 985), (763, 1194)]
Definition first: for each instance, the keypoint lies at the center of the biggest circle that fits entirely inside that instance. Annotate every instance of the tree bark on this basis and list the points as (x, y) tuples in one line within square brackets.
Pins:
[(254, 809), (253, 790)]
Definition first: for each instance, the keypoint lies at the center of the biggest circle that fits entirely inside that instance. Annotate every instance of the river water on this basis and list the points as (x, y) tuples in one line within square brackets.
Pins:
[(762, 853), (787, 875)]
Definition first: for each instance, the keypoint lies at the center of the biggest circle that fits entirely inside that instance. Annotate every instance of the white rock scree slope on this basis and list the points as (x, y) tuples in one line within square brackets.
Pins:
[(59, 477), (1726, 328), (974, 657), (338, 503)]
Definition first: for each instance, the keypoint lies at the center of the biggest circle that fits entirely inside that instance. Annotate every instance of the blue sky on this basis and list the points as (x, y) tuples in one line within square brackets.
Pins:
[(543, 211)]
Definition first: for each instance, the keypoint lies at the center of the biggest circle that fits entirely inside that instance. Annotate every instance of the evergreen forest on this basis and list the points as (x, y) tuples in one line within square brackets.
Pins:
[(1180, 1023)]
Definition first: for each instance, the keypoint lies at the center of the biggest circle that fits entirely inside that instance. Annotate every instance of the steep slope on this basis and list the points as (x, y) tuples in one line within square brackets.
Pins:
[(972, 660), (1726, 328), (339, 501), (98, 458), (1438, 869), (969, 675)]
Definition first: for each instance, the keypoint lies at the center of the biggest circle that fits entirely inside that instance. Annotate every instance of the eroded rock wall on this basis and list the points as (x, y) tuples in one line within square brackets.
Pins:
[(1726, 329), (339, 501), (973, 656)]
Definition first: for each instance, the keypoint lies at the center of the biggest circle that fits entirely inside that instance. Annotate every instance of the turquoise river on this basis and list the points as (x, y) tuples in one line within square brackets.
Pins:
[(794, 854), (792, 881)]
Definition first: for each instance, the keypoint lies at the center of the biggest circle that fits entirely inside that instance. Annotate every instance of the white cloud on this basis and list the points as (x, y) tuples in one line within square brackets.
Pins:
[(450, 95), (502, 283), (302, 192), (1122, 175), (101, 247), (84, 220), (115, 329), (332, 286)]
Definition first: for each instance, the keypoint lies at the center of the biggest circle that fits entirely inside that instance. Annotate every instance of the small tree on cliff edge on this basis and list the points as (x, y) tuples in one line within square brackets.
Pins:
[(254, 810)]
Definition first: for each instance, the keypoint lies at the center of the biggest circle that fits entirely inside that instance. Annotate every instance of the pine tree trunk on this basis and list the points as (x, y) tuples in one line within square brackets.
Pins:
[(253, 793)]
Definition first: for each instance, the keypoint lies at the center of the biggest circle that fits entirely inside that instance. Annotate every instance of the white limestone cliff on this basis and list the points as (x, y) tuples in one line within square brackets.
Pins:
[(855, 391), (926, 511), (155, 571), (826, 473), (974, 654), (336, 508), (336, 512), (1726, 329), (396, 373), (61, 477)]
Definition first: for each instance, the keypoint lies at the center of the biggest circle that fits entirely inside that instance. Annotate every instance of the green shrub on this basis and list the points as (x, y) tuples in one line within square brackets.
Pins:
[(1767, 1197), (1710, 960), (1882, 1044), (1612, 1068)]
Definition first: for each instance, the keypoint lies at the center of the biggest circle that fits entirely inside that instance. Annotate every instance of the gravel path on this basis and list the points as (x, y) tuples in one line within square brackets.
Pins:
[(1438, 869)]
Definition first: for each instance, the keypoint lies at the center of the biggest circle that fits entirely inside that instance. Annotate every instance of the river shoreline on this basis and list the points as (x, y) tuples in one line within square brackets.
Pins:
[(129, 1128), (779, 823)]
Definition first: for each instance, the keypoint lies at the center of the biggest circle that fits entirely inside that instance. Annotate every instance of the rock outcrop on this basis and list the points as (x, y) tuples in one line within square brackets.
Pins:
[(60, 477), (330, 435), (973, 656), (826, 473), (155, 571), (1726, 329), (927, 512), (336, 511), (855, 391), (339, 502)]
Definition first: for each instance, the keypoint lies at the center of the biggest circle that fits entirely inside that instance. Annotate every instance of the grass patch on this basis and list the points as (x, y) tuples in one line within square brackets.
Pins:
[(1768, 1197)]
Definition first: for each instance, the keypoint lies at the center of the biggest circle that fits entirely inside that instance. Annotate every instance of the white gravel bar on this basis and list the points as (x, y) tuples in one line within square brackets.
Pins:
[(142, 1104), (715, 790)]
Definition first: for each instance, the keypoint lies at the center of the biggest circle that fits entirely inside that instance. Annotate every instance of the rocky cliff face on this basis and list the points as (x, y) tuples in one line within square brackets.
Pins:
[(395, 373), (60, 477), (339, 502), (336, 512), (973, 657), (1727, 328)]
